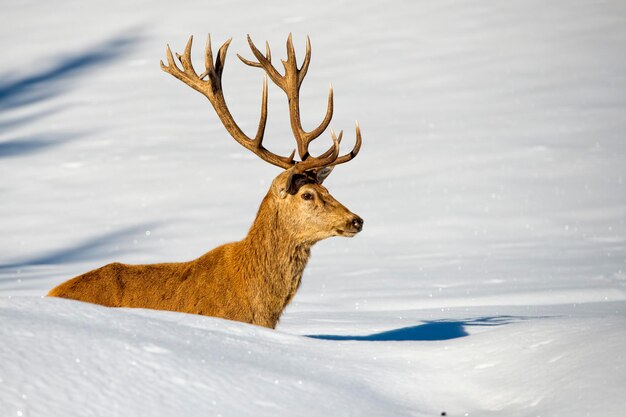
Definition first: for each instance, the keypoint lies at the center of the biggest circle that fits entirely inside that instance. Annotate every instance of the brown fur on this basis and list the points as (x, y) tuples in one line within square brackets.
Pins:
[(251, 281)]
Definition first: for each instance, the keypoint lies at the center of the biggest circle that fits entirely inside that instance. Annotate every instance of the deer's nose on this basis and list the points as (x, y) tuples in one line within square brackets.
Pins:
[(357, 223)]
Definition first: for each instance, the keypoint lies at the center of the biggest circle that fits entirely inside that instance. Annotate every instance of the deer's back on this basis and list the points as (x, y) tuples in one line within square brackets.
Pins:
[(209, 285)]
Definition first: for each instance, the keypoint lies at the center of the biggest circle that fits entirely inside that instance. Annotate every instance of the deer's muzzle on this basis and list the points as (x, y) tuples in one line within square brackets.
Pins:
[(357, 224)]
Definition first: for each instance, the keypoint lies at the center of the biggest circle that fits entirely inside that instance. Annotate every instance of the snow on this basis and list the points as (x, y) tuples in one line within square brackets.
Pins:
[(490, 278)]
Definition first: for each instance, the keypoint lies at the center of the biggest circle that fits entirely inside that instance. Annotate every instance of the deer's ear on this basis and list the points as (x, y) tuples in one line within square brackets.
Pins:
[(322, 173)]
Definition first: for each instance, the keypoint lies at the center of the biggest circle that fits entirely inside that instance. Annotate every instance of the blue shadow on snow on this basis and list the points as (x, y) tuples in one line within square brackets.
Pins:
[(429, 331), (22, 92), (49, 82), (20, 146), (95, 248)]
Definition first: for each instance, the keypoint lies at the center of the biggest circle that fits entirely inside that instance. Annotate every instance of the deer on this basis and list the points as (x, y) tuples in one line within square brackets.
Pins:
[(254, 279)]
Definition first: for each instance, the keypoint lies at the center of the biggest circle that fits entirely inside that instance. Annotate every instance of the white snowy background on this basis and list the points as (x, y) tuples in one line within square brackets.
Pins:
[(489, 280)]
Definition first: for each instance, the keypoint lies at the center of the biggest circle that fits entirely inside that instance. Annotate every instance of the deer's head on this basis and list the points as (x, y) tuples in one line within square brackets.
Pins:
[(312, 212), (298, 192)]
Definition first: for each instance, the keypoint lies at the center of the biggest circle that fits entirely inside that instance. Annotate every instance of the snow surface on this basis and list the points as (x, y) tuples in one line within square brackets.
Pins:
[(490, 278)]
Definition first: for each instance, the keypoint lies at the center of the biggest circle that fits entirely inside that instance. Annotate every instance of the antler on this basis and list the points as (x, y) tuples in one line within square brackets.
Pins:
[(212, 89), (290, 84)]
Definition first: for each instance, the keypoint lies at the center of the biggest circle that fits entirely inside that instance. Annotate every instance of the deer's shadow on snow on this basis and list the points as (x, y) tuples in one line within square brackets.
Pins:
[(428, 331)]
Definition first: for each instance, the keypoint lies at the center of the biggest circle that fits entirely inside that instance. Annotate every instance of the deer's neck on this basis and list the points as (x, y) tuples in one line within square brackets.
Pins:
[(275, 258)]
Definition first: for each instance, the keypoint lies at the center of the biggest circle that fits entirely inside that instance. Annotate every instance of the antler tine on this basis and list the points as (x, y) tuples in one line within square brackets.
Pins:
[(315, 133), (208, 55), (221, 58), (257, 142), (265, 63), (330, 150), (292, 61), (212, 89), (208, 58), (305, 64), (357, 147), (324, 160), (291, 57), (248, 62), (344, 158), (170, 61), (268, 53), (258, 139), (268, 57), (185, 58)]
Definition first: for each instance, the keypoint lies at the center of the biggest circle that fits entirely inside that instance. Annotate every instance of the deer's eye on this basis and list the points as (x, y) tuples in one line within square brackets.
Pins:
[(307, 196)]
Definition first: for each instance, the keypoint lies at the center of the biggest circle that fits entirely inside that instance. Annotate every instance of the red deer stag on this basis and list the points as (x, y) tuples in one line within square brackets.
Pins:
[(254, 279)]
